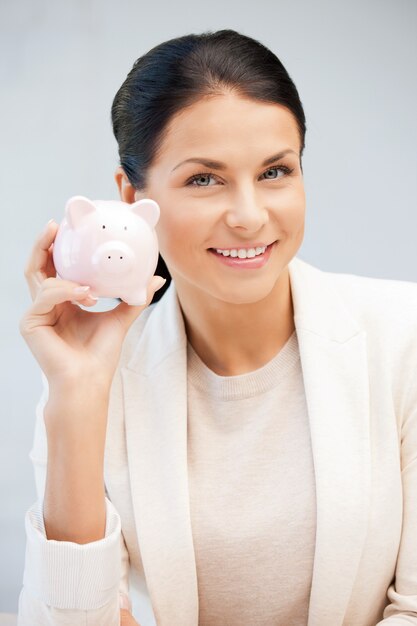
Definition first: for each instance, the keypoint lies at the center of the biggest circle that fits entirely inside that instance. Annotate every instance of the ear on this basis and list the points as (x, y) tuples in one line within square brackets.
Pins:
[(126, 190), (147, 209), (76, 208)]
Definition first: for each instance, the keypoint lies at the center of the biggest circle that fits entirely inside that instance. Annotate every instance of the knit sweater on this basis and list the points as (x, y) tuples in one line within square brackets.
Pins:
[(252, 492)]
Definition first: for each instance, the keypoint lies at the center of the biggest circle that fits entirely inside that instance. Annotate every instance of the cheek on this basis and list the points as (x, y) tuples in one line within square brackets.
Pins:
[(179, 233), (296, 217), (292, 209), (295, 226)]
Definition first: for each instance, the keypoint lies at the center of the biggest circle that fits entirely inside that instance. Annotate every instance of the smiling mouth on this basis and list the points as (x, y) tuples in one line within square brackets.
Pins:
[(242, 253)]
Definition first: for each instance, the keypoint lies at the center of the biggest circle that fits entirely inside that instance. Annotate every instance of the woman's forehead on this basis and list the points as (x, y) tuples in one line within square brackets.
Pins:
[(224, 125)]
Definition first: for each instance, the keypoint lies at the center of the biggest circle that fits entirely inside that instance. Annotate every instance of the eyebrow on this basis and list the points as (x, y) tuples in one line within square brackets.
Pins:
[(218, 165)]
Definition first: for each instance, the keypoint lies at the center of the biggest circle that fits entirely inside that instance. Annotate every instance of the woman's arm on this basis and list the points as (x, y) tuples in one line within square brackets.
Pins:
[(73, 560), (74, 505), (97, 572)]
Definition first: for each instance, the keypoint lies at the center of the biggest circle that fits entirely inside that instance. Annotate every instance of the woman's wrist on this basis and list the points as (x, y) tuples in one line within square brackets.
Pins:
[(83, 403)]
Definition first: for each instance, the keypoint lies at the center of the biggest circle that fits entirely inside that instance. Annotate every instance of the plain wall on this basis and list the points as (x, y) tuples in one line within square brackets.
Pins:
[(354, 63)]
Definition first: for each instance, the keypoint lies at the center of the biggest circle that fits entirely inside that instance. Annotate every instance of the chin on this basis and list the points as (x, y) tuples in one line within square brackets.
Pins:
[(244, 294)]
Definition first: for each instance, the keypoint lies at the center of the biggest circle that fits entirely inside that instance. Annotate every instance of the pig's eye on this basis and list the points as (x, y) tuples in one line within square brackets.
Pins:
[(103, 226)]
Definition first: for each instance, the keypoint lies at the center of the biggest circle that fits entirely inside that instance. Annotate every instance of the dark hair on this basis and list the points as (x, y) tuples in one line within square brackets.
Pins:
[(177, 73)]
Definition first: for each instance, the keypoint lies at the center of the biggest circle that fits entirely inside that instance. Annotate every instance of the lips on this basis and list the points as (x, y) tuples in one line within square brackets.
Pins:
[(240, 246), (248, 263)]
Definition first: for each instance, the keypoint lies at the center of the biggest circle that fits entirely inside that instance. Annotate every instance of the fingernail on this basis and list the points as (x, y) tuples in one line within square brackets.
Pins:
[(81, 289), (47, 224), (124, 602), (161, 283)]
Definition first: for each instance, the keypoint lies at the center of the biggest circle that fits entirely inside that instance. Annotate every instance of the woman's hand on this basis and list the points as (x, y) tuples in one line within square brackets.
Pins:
[(69, 343), (127, 619)]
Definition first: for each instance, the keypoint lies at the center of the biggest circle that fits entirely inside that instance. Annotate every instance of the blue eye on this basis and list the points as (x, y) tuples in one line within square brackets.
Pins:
[(283, 168), (200, 176), (272, 169)]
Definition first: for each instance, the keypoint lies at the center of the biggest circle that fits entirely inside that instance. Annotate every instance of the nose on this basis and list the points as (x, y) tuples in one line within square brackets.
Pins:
[(247, 212)]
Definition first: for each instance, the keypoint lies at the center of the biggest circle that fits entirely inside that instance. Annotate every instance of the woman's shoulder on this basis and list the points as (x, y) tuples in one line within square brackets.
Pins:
[(385, 307), (368, 292), (362, 294)]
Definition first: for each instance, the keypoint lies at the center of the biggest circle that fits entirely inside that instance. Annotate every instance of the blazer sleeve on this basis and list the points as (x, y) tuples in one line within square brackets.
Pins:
[(66, 583), (402, 593)]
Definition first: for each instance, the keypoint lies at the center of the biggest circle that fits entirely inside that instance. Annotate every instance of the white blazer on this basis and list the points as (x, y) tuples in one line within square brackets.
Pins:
[(357, 338)]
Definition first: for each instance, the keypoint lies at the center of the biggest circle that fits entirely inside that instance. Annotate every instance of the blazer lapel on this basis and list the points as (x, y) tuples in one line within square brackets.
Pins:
[(334, 364), (155, 397)]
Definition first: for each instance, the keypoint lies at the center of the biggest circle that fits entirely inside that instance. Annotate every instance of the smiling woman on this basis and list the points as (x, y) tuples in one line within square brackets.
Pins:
[(258, 422), (244, 208), (241, 118)]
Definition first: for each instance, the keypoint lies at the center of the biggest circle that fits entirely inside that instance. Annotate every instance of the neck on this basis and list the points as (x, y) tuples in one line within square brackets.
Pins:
[(234, 339)]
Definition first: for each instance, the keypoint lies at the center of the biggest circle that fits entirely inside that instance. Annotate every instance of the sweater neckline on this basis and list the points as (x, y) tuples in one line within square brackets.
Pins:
[(242, 385)]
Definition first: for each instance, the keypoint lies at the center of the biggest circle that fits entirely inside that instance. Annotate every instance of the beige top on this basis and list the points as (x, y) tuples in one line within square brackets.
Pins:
[(252, 492)]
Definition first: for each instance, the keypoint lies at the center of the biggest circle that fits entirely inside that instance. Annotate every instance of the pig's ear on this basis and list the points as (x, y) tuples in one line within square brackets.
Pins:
[(76, 208), (147, 209)]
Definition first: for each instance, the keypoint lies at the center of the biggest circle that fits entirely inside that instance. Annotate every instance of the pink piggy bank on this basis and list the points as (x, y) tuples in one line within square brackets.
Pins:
[(109, 245)]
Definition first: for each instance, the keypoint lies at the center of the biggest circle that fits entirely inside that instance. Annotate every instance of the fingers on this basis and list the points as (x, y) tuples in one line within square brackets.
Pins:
[(155, 283), (127, 313), (126, 618), (39, 264), (52, 292)]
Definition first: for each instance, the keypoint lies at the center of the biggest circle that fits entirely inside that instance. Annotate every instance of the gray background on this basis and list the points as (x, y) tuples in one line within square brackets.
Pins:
[(354, 63)]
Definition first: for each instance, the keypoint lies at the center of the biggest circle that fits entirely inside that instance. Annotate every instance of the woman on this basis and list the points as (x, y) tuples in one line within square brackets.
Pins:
[(256, 427)]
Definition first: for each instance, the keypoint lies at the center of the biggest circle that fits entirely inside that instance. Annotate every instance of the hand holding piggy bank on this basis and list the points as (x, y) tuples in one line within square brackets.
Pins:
[(109, 245)]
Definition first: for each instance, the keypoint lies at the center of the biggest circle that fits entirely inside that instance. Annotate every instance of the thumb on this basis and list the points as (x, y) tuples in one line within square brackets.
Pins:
[(127, 313)]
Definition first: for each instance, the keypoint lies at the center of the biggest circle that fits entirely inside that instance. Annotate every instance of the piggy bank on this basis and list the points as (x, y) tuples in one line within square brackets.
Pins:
[(109, 245)]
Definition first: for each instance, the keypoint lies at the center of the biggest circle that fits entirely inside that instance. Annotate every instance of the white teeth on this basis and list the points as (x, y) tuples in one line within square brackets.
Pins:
[(242, 253)]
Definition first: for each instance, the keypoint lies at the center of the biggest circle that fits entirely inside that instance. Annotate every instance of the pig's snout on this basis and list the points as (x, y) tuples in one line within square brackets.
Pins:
[(113, 257)]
